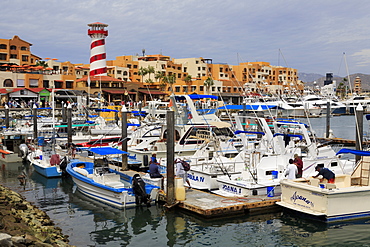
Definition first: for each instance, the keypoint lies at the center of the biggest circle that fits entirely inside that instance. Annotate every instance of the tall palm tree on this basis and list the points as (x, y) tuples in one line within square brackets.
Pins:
[(150, 70), (208, 83), (187, 81), (142, 72), (170, 79)]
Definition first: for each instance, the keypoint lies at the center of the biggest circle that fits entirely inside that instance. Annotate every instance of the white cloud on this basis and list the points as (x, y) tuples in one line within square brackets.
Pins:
[(311, 34)]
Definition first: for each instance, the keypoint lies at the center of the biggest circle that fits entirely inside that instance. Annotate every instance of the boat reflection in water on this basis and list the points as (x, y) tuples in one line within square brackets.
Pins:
[(112, 226)]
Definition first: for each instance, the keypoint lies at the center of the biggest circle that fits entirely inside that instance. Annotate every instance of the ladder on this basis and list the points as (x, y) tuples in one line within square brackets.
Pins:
[(365, 172)]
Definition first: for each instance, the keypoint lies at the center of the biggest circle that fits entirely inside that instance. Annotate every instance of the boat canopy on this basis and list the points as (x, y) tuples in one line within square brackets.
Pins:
[(197, 96), (249, 132), (290, 135), (247, 107), (105, 110), (107, 151), (353, 151)]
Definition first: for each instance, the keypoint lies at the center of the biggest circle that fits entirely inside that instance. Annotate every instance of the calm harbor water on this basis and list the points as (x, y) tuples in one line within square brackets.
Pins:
[(89, 223)]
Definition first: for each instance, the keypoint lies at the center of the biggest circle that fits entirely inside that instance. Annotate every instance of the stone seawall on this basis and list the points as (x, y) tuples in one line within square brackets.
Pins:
[(23, 224)]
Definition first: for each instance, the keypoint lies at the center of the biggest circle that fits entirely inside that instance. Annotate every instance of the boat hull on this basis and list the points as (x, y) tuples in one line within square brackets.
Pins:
[(325, 204), (49, 172)]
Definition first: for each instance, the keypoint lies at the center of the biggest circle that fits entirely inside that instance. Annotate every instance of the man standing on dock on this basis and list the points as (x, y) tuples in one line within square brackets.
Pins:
[(292, 170)]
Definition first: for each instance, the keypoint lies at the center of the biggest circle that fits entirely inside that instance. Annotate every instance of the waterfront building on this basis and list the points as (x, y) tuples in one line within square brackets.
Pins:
[(134, 78)]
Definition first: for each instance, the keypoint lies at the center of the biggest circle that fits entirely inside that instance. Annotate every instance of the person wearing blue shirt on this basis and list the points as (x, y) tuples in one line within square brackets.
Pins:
[(153, 168)]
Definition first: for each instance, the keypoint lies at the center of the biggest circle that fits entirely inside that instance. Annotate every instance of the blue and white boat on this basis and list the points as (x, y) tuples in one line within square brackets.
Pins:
[(45, 164), (106, 185)]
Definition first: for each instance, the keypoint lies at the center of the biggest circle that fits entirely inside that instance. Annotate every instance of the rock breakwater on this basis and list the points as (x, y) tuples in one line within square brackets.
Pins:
[(23, 224)]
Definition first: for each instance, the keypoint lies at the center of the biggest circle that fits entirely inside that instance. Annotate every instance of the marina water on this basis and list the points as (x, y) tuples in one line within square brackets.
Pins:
[(90, 223)]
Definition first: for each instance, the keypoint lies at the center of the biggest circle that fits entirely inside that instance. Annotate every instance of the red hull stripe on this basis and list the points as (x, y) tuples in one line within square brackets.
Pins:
[(97, 43), (98, 71), (97, 57)]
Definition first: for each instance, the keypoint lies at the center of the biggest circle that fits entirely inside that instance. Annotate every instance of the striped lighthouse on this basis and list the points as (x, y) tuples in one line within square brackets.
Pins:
[(98, 64)]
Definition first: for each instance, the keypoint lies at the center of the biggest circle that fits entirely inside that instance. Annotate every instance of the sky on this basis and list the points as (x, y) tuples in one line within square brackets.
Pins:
[(311, 36)]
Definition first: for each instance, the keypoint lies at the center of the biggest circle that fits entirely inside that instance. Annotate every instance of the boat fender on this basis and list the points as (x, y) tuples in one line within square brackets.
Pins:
[(145, 160)]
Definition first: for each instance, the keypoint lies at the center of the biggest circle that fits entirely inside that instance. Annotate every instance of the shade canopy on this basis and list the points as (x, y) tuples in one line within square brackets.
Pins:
[(107, 151)]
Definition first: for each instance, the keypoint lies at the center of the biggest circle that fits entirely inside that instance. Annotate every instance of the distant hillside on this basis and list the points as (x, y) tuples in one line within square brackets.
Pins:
[(310, 78)]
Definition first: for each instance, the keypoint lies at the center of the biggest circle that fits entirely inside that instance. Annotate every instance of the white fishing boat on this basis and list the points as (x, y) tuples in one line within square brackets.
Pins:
[(190, 118), (266, 163), (106, 185), (346, 199)]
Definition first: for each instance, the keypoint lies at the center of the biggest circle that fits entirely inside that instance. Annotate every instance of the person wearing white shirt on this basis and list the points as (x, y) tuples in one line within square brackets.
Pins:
[(291, 171)]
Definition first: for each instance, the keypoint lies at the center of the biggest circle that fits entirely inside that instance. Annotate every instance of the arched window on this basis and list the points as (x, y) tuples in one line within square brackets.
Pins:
[(13, 47), (3, 46), (8, 83), (124, 73)]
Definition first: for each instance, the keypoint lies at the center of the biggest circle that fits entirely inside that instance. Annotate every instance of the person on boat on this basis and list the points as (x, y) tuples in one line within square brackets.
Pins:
[(286, 138), (299, 163), (153, 168), (292, 170), (325, 173), (180, 172)]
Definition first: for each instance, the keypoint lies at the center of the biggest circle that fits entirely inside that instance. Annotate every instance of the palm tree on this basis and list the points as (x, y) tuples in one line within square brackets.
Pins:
[(143, 72), (187, 81), (150, 70), (171, 79), (208, 83), (42, 63), (159, 76)]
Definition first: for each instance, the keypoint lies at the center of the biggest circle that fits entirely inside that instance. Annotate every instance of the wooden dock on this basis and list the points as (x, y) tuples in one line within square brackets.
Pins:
[(209, 205), (345, 142)]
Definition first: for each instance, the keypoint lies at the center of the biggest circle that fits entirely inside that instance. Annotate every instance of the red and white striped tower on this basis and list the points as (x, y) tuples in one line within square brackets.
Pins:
[(98, 64)]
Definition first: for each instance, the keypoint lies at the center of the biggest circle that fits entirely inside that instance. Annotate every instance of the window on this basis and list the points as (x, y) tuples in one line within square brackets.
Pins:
[(34, 83), (69, 84), (213, 89), (193, 88), (125, 73), (198, 68), (13, 47), (23, 92), (201, 88), (179, 76), (20, 82), (45, 84), (59, 84), (3, 46), (13, 56), (177, 89), (129, 66), (8, 83), (23, 48), (135, 66), (24, 58), (197, 62), (185, 89), (119, 72), (3, 56), (185, 69), (221, 69)]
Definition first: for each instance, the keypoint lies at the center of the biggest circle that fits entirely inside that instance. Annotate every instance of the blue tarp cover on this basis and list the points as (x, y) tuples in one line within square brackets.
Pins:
[(107, 151), (45, 108), (353, 151), (247, 107)]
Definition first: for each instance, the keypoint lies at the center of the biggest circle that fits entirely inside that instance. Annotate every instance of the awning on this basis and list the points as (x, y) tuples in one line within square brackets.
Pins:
[(153, 92), (107, 151), (352, 151)]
